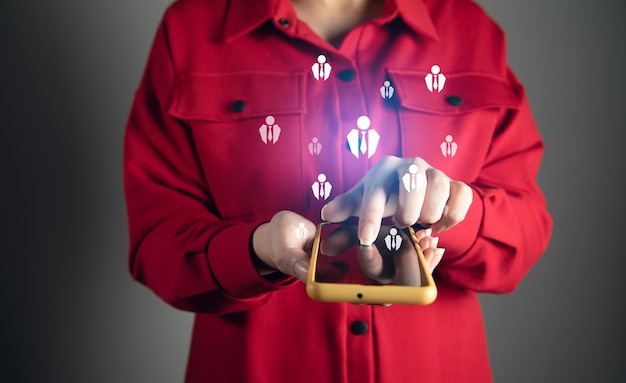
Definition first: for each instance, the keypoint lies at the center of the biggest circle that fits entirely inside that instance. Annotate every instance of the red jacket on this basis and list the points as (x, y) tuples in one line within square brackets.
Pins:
[(234, 121)]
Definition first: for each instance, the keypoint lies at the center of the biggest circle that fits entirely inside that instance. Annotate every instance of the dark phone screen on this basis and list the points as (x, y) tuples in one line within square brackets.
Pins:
[(391, 259)]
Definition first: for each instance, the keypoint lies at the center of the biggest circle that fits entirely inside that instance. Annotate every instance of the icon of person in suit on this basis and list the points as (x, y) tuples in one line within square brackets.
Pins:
[(412, 181), (315, 147), (321, 69), (270, 131), (449, 147), (435, 80), (387, 90), (321, 187), (393, 241), (363, 140)]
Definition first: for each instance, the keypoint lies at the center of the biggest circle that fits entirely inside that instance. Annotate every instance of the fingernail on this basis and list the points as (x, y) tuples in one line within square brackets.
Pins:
[(367, 235), (301, 270), (439, 251), (428, 232), (323, 211)]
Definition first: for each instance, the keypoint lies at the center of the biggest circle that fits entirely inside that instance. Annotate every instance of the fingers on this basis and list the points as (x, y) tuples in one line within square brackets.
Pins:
[(436, 196), (369, 206), (295, 262), (433, 198), (423, 194), (427, 241), (411, 193), (372, 212), (293, 236), (432, 254), (409, 189), (342, 207), (370, 199), (458, 205)]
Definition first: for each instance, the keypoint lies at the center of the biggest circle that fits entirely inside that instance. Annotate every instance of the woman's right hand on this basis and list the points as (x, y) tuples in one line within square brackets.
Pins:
[(284, 245)]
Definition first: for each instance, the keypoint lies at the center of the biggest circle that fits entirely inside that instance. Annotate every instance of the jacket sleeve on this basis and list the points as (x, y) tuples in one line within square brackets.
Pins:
[(179, 246), (508, 226)]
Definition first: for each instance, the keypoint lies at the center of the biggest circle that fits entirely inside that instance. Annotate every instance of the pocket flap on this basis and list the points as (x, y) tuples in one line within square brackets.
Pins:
[(210, 96), (475, 90)]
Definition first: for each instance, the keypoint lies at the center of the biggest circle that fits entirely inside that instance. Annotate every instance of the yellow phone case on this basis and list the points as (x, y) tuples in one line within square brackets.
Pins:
[(423, 294)]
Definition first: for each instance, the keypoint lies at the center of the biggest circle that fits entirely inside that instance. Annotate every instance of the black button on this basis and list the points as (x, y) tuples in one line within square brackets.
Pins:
[(238, 106), (347, 75), (284, 23), (358, 328), (454, 100)]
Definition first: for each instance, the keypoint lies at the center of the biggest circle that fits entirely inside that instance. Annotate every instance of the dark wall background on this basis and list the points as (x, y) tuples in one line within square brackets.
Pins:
[(70, 310)]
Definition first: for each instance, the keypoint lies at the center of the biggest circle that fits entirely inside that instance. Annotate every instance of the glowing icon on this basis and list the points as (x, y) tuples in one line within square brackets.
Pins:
[(321, 69), (321, 188), (270, 131), (315, 147), (435, 80), (387, 90), (363, 140), (412, 180), (393, 240), (301, 231), (449, 147)]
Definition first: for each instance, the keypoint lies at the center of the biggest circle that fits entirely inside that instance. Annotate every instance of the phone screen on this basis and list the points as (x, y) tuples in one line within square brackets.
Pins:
[(391, 260)]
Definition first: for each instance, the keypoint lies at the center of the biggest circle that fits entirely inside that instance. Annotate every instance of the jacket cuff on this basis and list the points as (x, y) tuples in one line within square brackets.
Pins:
[(231, 262)]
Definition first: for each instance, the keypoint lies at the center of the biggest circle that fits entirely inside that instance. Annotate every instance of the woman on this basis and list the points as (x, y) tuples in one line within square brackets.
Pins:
[(255, 120)]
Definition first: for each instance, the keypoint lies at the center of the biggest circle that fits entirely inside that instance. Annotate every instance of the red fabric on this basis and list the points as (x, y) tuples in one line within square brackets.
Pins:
[(199, 179)]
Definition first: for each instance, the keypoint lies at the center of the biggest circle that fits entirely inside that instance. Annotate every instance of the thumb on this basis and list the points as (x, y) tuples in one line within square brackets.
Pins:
[(298, 264)]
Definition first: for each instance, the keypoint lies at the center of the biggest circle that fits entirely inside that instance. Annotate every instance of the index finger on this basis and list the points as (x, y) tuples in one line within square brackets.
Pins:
[(377, 202), (371, 215)]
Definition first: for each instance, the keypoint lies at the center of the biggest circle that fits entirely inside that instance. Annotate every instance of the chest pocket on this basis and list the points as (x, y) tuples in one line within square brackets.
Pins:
[(451, 129), (246, 128)]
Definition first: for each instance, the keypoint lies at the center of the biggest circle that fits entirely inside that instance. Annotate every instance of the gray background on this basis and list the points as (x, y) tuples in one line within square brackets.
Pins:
[(70, 311)]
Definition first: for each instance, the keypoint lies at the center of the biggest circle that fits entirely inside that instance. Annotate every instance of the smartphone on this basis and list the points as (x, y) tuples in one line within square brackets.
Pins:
[(391, 270)]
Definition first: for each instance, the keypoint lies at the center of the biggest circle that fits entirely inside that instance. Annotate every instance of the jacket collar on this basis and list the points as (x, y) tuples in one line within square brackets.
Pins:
[(244, 16), (413, 13)]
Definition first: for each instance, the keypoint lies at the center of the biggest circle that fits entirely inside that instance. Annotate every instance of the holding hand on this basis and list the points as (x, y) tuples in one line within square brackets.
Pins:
[(284, 244)]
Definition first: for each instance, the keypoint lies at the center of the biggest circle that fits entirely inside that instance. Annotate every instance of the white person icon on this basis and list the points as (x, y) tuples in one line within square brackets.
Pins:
[(321, 69), (435, 80), (449, 147), (363, 140), (321, 188), (393, 241), (301, 231), (315, 147), (387, 90), (412, 181), (269, 131)]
